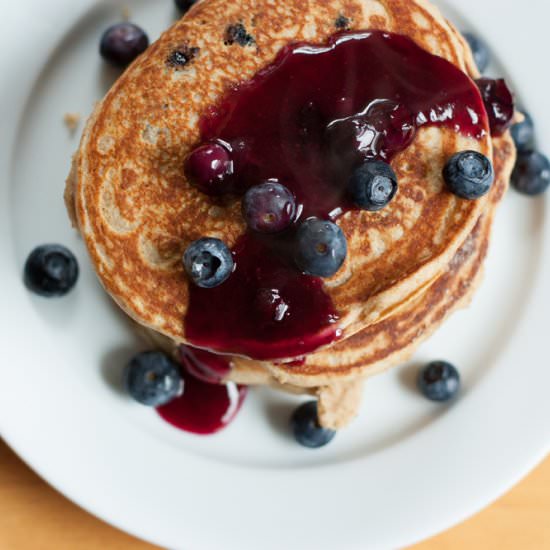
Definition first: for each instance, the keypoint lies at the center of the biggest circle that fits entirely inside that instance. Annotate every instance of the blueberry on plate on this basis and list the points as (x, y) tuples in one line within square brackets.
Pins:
[(210, 167), (373, 185), (320, 248), (306, 429), (523, 134), (439, 381), (531, 175), (480, 51), (269, 207), (153, 379), (122, 43), (469, 174), (51, 270), (208, 262), (184, 5)]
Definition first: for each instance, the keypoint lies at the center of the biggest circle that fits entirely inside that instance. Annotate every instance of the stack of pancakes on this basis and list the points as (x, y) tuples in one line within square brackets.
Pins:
[(408, 267)]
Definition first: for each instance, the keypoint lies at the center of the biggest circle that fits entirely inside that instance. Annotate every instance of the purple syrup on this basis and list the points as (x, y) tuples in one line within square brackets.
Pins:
[(499, 103), (207, 405), (308, 120)]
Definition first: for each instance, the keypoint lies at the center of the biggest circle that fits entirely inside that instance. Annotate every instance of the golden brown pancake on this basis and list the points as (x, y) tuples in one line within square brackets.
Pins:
[(336, 374), (138, 213), (394, 339)]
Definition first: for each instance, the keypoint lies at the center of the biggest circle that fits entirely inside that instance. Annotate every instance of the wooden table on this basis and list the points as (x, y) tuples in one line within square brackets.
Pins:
[(35, 516)]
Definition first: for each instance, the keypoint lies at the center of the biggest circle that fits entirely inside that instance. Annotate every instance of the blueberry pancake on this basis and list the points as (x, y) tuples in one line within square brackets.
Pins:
[(305, 188)]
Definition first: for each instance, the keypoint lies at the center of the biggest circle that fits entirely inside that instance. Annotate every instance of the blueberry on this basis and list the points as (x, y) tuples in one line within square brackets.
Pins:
[(184, 5), (480, 51), (499, 103), (51, 270), (208, 262), (153, 379), (373, 185), (439, 381), (210, 168), (122, 43), (469, 174), (320, 248), (269, 207), (305, 426), (523, 134), (531, 175)]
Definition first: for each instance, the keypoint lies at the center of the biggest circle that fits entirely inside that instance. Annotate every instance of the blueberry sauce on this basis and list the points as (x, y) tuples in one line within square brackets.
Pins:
[(308, 120), (499, 103), (267, 309), (206, 405), (204, 365)]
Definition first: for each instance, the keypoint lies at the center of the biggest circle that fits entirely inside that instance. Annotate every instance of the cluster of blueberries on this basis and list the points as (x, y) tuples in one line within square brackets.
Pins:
[(154, 379), (319, 246)]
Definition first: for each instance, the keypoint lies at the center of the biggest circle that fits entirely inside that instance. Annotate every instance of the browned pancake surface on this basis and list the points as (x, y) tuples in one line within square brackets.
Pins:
[(138, 213)]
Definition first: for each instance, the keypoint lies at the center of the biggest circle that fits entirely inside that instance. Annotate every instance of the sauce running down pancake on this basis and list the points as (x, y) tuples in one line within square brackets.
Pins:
[(138, 213)]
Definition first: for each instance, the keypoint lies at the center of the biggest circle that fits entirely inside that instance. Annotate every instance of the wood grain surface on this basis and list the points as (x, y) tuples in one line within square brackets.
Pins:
[(34, 516)]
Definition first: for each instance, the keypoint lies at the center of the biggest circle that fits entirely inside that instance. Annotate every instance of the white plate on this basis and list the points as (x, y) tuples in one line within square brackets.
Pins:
[(405, 470)]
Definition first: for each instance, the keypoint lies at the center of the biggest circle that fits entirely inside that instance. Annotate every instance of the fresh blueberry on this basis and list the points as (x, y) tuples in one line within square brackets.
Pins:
[(523, 134), (439, 381), (499, 103), (321, 248), (531, 175), (51, 270), (305, 426), (210, 168), (269, 207), (480, 50), (469, 174), (184, 5), (122, 43), (153, 379), (208, 262), (373, 185)]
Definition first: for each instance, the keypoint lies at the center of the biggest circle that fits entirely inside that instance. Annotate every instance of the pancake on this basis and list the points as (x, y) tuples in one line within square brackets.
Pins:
[(137, 212), (336, 375)]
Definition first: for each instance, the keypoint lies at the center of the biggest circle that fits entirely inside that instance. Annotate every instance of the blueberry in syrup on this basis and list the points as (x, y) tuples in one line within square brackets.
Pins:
[(499, 103), (373, 185), (321, 248), (469, 175), (306, 428), (208, 262), (122, 43), (531, 174), (386, 126), (523, 134), (271, 305), (480, 51), (439, 381), (51, 270), (269, 207), (210, 167), (153, 379), (184, 5)]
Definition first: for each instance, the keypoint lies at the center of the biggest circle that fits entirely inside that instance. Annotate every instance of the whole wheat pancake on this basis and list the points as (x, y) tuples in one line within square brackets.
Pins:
[(393, 340), (336, 374), (138, 213)]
